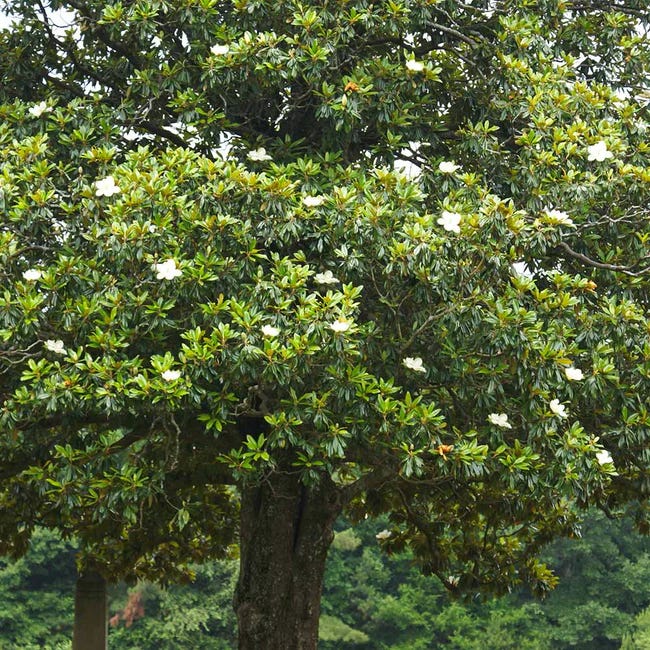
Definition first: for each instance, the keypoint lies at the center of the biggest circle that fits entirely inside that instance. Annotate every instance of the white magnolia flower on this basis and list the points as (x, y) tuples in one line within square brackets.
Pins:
[(557, 408), (414, 363), (38, 109), (313, 201), (106, 187), (32, 274), (450, 221), (220, 50), (558, 216), (573, 374), (500, 420), (340, 325), (384, 534), (448, 167), (258, 155), (171, 375), (167, 270), (599, 152), (604, 457), (269, 330), (326, 278), (414, 66), (55, 346)]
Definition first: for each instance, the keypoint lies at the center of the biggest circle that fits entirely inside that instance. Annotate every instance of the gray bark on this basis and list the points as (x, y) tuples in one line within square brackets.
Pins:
[(286, 531), (90, 613)]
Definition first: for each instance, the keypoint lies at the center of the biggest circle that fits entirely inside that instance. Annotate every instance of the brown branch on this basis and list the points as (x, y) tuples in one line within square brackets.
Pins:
[(373, 480), (602, 265), (102, 34), (153, 128), (419, 330), (454, 32), (146, 125)]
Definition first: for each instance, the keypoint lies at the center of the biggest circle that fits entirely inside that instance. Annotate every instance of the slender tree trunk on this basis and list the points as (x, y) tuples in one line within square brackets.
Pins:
[(286, 531), (90, 613)]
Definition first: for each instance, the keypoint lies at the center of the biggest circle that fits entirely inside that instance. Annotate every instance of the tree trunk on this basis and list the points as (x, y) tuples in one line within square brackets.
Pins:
[(90, 613), (286, 531)]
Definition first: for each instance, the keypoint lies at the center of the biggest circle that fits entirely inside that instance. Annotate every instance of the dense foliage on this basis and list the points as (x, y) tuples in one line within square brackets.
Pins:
[(37, 595), (381, 258), (603, 587), (369, 601)]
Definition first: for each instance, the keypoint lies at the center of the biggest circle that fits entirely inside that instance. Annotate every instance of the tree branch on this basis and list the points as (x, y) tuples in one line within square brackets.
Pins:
[(454, 32), (602, 265), (373, 480)]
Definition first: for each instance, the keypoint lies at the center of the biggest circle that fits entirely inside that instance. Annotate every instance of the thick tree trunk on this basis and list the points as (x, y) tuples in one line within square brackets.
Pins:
[(286, 531), (90, 613)]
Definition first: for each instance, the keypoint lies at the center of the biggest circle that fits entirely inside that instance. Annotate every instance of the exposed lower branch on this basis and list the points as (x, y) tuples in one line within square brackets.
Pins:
[(372, 480)]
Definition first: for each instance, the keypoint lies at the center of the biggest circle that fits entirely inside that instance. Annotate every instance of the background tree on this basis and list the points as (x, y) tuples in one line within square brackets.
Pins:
[(640, 639), (37, 597), (370, 600), (259, 306)]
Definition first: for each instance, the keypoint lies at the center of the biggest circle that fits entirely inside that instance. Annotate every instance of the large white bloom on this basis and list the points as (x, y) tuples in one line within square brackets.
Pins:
[(384, 534), (167, 270), (573, 374), (171, 375), (604, 457), (414, 66), (558, 409), (258, 155), (326, 277), (220, 50), (450, 221), (340, 325), (32, 274), (414, 363), (269, 330), (38, 109), (55, 346), (500, 420), (106, 187), (599, 152), (558, 217), (313, 201), (448, 167)]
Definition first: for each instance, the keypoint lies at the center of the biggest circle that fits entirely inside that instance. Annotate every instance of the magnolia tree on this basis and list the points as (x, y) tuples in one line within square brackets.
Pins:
[(266, 263)]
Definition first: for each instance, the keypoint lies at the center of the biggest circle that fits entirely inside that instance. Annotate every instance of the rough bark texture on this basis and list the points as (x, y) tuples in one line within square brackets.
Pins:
[(286, 531), (90, 613)]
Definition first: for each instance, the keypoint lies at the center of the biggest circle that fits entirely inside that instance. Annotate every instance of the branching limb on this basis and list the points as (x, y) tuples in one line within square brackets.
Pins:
[(627, 270), (372, 480)]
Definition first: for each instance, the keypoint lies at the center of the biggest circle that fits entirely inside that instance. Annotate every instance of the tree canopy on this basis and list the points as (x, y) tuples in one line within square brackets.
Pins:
[(293, 259)]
